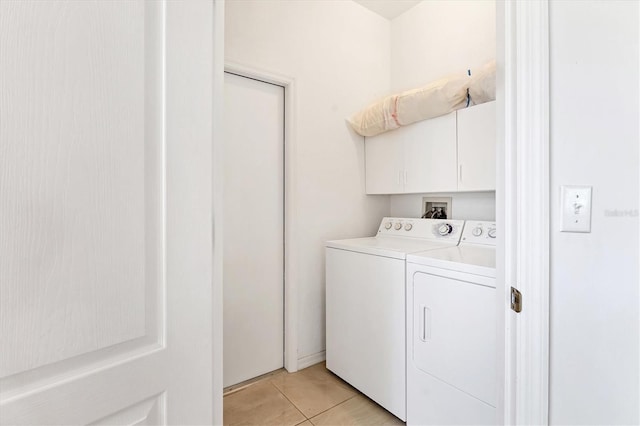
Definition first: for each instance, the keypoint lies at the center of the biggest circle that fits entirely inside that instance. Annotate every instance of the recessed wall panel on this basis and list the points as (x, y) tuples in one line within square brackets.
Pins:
[(80, 179)]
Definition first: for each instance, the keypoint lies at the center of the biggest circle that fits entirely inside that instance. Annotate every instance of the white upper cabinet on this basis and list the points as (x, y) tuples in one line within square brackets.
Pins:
[(454, 152), (384, 158), (477, 148), (430, 155), (412, 159)]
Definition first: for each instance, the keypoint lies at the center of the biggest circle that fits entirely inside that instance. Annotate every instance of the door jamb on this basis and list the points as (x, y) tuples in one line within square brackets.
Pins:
[(218, 208), (522, 199), (290, 246)]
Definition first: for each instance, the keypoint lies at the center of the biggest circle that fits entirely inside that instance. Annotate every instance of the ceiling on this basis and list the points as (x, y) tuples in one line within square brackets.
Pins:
[(388, 8)]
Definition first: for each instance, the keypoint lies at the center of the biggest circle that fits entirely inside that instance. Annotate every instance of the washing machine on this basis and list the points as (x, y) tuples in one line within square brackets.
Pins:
[(451, 331), (365, 304)]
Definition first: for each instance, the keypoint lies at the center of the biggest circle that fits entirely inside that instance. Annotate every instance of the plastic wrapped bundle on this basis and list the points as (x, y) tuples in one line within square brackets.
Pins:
[(482, 86), (433, 100), (376, 118)]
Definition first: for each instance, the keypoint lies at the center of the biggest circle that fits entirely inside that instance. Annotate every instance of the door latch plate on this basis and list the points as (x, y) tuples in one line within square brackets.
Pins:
[(516, 300)]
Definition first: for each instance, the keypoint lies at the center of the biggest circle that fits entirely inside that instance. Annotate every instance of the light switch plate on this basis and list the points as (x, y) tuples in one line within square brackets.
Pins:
[(575, 208)]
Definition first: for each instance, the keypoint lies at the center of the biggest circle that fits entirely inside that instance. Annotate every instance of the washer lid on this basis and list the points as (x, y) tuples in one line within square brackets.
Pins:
[(470, 258), (394, 247)]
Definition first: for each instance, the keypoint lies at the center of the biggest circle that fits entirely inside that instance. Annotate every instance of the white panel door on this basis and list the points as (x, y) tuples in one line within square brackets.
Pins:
[(254, 229), (477, 148), (105, 201), (430, 155)]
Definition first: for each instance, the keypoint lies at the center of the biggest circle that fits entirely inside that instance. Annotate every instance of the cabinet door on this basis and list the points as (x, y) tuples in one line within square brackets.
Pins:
[(477, 148), (430, 155), (384, 163)]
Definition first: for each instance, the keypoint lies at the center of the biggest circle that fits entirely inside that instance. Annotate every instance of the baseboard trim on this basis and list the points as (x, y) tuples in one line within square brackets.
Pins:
[(309, 360)]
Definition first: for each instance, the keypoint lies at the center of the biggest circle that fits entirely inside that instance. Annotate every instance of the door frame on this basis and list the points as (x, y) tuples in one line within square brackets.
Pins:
[(217, 237), (290, 242), (522, 207)]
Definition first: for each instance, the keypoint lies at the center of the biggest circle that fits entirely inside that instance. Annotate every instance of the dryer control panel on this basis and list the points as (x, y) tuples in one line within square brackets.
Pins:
[(479, 232), (432, 229)]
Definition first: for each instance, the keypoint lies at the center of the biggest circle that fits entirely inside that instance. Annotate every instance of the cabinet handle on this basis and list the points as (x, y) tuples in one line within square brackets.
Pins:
[(460, 172)]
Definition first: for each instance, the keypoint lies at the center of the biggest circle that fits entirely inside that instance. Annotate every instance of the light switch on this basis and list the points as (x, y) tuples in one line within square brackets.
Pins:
[(576, 209)]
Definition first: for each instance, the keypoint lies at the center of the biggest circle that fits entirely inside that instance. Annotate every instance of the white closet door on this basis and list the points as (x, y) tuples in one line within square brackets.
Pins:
[(105, 212), (254, 229)]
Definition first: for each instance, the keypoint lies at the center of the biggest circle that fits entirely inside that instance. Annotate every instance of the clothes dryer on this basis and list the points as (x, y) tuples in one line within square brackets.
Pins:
[(451, 331)]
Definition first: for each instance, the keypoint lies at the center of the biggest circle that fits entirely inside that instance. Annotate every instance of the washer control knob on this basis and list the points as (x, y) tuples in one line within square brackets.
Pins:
[(492, 233), (445, 229), (398, 226), (388, 225), (477, 231), (408, 226)]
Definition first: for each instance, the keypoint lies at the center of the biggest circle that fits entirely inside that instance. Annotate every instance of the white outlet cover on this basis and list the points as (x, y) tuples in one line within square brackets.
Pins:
[(575, 208)]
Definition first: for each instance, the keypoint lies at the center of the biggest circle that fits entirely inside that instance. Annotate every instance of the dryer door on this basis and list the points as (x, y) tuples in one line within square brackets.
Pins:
[(453, 333)]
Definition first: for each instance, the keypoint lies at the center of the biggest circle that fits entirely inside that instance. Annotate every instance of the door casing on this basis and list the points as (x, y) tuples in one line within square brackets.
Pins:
[(522, 208)]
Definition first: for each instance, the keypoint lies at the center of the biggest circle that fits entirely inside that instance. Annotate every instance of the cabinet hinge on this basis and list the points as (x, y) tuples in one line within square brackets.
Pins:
[(516, 300)]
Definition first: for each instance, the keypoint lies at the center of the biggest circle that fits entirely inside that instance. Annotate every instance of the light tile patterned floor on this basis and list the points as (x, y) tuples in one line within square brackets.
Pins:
[(313, 396)]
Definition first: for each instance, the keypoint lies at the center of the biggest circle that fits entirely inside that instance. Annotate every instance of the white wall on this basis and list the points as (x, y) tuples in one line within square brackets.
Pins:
[(464, 205), (594, 277), (436, 38), (338, 53), (429, 41)]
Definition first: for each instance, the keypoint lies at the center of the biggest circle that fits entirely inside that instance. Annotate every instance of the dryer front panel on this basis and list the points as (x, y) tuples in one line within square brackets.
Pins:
[(453, 335)]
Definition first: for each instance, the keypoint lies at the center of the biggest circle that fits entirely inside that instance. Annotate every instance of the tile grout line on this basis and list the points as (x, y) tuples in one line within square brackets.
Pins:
[(290, 401), (317, 414), (331, 408)]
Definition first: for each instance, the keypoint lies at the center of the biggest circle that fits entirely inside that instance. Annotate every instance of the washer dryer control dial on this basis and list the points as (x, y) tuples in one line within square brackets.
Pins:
[(398, 226), (388, 225), (445, 229), (477, 231), (492, 233), (408, 227)]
